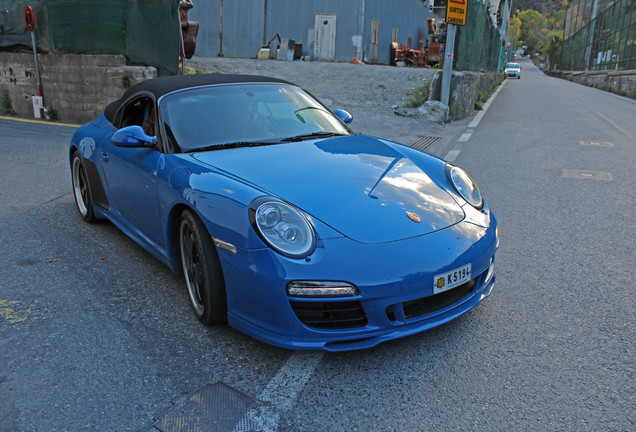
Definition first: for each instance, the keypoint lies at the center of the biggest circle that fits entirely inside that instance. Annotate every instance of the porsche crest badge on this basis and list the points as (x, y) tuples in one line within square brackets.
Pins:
[(414, 217)]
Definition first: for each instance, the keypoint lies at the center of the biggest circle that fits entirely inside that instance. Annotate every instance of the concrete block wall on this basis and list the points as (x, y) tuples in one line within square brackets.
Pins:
[(78, 87), (619, 82), (465, 90)]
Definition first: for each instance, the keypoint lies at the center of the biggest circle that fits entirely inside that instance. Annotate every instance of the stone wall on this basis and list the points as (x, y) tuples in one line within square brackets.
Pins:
[(465, 89), (619, 82), (78, 87)]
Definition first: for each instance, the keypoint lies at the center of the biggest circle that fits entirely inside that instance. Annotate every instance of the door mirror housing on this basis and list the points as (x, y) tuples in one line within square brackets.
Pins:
[(133, 136), (343, 115)]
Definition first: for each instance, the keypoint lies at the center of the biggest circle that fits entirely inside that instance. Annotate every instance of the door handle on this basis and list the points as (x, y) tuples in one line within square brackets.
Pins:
[(105, 156)]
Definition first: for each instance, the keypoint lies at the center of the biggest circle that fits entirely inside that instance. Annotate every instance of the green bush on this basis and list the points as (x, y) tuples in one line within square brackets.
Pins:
[(5, 103), (125, 81), (51, 114), (419, 96)]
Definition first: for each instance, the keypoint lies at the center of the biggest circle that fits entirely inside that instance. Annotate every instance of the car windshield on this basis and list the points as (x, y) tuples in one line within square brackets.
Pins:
[(513, 66), (209, 118)]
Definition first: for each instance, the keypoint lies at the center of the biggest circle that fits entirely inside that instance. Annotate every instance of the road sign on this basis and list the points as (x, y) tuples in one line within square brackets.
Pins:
[(28, 18), (456, 12)]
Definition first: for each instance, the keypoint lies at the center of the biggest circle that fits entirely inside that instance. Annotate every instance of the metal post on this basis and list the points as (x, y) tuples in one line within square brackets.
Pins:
[(264, 22), (593, 30), (508, 50), (37, 66), (447, 72), (183, 55), (502, 33), (220, 54)]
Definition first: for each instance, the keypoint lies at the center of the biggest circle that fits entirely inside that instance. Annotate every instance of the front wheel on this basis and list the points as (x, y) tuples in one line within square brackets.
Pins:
[(202, 271), (81, 189)]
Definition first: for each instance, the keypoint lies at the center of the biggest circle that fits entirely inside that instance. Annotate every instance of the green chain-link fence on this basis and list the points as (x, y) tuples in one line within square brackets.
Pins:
[(478, 42), (602, 41)]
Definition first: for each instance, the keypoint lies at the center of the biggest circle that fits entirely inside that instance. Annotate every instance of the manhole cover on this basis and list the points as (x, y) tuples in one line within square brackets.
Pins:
[(425, 142), (214, 407)]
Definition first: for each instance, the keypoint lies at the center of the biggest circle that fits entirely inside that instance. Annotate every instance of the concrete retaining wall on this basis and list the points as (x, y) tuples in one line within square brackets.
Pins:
[(465, 90), (78, 87), (619, 82)]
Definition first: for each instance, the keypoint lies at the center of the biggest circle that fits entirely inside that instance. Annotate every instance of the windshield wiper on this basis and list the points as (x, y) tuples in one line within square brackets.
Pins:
[(233, 145), (312, 136)]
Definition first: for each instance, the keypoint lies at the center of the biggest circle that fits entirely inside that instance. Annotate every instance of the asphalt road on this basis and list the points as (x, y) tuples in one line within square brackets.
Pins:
[(95, 334)]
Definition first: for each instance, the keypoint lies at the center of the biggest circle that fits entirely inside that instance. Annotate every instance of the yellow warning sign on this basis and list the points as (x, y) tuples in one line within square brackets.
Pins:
[(456, 12)]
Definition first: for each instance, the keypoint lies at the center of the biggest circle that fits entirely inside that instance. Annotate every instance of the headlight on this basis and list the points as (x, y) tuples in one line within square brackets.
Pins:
[(464, 185), (282, 227)]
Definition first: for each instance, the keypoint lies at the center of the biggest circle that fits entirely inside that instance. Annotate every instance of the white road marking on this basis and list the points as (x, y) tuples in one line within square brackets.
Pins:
[(597, 144), (584, 174), (480, 114), (465, 137), (451, 155), (281, 392)]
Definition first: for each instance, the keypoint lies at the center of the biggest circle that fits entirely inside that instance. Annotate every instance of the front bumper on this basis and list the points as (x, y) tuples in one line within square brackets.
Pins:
[(395, 283)]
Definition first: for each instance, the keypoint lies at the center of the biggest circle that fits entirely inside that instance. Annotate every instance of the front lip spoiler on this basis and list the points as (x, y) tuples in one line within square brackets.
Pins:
[(369, 340)]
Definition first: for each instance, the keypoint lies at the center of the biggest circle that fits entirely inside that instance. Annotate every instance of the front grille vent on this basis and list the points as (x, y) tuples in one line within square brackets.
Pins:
[(330, 315), (434, 303)]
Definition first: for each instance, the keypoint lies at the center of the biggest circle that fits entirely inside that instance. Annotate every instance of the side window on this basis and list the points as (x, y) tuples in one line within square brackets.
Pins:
[(138, 112)]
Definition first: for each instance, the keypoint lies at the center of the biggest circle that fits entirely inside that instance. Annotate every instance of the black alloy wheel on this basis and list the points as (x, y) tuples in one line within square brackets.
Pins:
[(202, 271), (81, 189)]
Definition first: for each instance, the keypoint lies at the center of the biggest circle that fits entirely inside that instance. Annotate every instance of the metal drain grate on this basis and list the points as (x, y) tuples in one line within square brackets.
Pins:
[(214, 407), (423, 143)]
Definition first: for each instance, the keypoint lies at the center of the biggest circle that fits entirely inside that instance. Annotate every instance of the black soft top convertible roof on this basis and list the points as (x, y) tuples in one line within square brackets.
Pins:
[(161, 86)]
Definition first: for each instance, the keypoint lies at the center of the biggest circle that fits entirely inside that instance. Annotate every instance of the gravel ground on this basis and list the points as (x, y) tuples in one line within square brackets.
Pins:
[(371, 93)]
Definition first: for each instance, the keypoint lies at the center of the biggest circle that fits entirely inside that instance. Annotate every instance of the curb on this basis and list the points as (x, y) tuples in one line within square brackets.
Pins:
[(39, 122)]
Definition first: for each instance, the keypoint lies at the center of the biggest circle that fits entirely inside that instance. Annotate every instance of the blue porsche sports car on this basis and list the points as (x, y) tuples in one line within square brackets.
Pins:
[(284, 223)]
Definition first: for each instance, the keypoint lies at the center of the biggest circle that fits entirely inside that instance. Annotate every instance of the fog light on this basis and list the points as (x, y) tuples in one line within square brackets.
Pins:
[(320, 289)]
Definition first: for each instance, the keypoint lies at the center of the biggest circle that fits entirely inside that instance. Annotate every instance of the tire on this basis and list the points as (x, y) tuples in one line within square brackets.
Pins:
[(81, 189), (202, 271)]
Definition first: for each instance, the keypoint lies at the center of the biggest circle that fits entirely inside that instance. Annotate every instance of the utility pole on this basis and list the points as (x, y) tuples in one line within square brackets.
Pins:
[(592, 31), (449, 56), (504, 34), (455, 15)]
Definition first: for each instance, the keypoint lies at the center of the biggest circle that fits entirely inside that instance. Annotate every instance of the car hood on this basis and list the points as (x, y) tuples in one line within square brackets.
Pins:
[(359, 185)]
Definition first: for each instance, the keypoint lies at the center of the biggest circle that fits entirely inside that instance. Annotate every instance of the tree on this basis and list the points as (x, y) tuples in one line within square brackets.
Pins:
[(533, 29), (515, 32), (554, 48)]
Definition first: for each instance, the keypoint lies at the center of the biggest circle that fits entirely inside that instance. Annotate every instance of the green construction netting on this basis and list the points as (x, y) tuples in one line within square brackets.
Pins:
[(477, 43), (145, 31)]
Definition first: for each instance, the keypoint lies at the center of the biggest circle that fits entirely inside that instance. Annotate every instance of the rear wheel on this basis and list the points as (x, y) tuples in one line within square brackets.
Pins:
[(202, 271), (81, 190)]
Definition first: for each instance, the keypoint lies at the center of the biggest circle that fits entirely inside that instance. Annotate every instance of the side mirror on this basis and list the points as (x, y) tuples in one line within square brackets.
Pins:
[(133, 136), (343, 115)]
